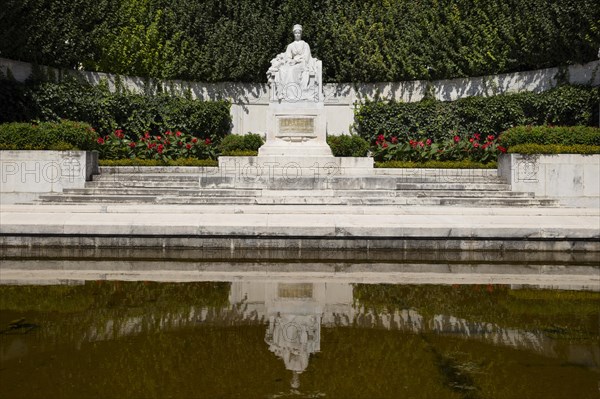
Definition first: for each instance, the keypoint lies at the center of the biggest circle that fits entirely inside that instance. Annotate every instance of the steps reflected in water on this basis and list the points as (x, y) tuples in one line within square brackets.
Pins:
[(324, 324)]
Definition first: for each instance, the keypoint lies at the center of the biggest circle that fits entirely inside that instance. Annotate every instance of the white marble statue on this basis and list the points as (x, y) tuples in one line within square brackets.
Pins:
[(295, 75)]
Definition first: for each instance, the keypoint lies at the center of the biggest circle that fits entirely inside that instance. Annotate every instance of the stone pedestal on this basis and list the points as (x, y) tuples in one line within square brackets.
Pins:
[(296, 129)]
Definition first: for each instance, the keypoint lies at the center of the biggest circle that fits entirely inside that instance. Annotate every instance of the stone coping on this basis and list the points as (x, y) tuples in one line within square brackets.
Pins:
[(333, 227)]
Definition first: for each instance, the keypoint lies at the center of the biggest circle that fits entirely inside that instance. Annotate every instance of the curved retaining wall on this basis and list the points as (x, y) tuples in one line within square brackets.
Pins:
[(250, 100)]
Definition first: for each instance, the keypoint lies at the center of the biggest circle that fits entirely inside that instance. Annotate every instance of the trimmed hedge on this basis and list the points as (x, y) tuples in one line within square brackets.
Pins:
[(466, 164), (564, 105), (554, 149), (563, 135), (348, 146), (64, 135), (107, 111), (241, 145), (156, 162)]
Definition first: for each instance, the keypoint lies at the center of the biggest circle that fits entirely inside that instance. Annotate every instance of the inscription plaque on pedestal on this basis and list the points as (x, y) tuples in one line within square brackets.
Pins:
[(296, 128)]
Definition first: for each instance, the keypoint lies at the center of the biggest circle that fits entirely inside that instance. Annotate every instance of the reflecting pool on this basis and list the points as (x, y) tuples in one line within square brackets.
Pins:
[(278, 335)]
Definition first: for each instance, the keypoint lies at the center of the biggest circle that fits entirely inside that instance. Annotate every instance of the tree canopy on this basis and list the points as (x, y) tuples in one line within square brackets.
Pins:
[(358, 41)]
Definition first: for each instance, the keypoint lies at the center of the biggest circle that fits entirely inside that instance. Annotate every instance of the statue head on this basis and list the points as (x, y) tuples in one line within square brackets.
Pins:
[(297, 32)]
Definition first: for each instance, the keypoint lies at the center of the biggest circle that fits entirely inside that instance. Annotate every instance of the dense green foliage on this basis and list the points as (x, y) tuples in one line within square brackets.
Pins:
[(64, 135), (107, 111), (466, 164), (241, 145), (564, 105), (563, 135), (554, 149), (348, 146), (99, 295), (233, 40), (530, 309)]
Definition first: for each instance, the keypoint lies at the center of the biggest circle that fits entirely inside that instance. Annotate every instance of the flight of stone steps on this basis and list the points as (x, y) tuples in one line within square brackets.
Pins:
[(190, 185)]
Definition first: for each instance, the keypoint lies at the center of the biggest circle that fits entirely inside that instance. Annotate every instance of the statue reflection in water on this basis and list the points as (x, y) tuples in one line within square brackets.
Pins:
[(293, 338), (295, 313), (294, 330)]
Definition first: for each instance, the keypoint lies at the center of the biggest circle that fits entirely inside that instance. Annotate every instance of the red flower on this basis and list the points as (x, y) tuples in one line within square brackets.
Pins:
[(178, 134), (428, 142), (207, 141), (188, 146), (477, 136), (194, 140), (476, 144), (471, 140), (147, 135), (380, 138), (119, 134), (384, 145), (168, 133), (413, 143), (490, 137), (501, 149), (180, 143), (421, 144), (100, 140), (394, 140), (160, 148), (132, 144), (456, 139)]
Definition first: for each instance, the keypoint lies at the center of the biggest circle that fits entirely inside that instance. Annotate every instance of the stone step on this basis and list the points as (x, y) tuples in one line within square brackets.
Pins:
[(355, 193), (154, 177), (141, 184), (97, 198), (229, 178), (295, 193), (304, 184), (454, 186), (300, 200)]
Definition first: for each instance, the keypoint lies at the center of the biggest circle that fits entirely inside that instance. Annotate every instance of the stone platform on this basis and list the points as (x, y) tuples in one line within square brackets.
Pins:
[(301, 227), (208, 207)]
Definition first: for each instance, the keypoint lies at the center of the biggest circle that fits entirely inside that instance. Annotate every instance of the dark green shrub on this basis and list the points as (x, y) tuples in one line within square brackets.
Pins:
[(564, 105), (14, 105), (64, 135), (563, 135), (348, 146), (106, 111), (234, 143), (158, 162), (554, 149), (241, 153)]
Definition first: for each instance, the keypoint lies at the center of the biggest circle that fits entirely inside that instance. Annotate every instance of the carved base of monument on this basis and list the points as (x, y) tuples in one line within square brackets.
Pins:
[(296, 129)]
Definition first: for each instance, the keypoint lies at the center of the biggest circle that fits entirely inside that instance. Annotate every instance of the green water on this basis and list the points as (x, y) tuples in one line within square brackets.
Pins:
[(263, 338)]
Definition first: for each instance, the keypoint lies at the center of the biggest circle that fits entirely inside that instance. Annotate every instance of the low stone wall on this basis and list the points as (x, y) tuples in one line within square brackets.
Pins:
[(573, 179), (27, 174), (250, 100)]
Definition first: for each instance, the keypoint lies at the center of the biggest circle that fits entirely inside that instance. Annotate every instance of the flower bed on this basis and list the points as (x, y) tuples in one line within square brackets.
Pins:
[(474, 148), (164, 147)]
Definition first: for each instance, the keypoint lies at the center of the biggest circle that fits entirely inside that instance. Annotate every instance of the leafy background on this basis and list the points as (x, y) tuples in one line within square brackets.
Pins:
[(359, 41)]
